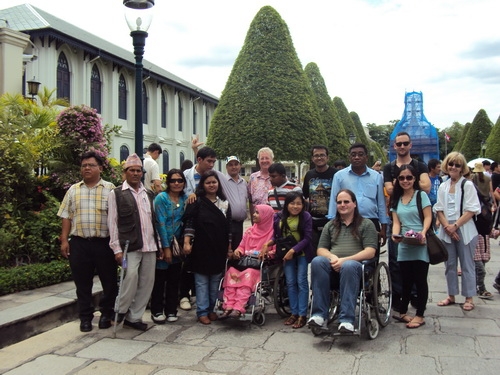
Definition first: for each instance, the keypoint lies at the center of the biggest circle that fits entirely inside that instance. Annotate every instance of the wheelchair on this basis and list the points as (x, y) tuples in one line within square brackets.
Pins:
[(270, 289), (373, 303)]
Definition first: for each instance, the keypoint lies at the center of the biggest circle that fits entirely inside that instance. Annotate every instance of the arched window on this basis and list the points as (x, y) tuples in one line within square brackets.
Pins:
[(95, 89), (180, 111), (122, 98), (165, 161), (144, 104), (181, 157), (63, 82), (124, 153), (194, 118), (163, 110)]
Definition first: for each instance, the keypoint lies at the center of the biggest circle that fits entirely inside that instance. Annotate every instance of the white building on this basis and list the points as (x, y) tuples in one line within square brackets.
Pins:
[(85, 69)]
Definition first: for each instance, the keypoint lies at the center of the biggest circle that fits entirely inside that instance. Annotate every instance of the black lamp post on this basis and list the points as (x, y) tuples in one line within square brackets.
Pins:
[(138, 14), (352, 138), (33, 87)]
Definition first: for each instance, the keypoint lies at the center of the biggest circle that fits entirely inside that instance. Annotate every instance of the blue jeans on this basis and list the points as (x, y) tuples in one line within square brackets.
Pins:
[(297, 285), (323, 278), (207, 287)]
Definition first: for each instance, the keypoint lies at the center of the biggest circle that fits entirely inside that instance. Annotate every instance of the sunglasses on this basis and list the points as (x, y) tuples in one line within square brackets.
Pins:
[(451, 164), (399, 144), (343, 202), (407, 178), (174, 180)]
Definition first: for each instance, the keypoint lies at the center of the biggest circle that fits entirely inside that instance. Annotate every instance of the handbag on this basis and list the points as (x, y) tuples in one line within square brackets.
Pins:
[(247, 261), (175, 246), (435, 247), (283, 245)]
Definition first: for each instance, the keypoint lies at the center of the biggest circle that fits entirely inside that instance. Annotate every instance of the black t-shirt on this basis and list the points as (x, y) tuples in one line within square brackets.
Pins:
[(317, 187), (495, 180), (391, 170)]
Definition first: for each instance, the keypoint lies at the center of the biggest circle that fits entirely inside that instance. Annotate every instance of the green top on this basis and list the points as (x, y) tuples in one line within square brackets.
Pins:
[(345, 244)]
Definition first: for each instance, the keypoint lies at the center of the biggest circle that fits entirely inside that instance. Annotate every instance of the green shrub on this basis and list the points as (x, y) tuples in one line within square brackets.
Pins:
[(17, 279)]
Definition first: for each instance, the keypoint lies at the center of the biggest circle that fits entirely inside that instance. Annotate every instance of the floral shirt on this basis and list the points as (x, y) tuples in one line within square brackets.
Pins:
[(258, 188)]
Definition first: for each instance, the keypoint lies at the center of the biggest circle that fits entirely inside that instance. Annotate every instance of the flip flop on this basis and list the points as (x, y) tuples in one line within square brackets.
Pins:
[(468, 306), (446, 302), (402, 318), (415, 325)]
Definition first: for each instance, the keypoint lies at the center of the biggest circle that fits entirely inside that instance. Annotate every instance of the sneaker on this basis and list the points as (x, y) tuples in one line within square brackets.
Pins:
[(185, 304), (158, 318), (172, 318), (497, 287), (346, 327), (316, 321)]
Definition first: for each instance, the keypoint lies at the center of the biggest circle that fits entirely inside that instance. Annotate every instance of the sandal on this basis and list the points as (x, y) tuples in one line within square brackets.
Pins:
[(291, 320), (485, 295), (413, 324), (403, 318), (225, 314), (446, 302), (235, 314), (301, 322), (468, 306)]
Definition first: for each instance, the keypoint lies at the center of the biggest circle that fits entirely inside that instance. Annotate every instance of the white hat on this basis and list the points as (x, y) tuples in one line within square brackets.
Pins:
[(231, 158)]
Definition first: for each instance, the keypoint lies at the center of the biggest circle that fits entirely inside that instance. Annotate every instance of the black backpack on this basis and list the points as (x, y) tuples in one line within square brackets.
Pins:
[(483, 221)]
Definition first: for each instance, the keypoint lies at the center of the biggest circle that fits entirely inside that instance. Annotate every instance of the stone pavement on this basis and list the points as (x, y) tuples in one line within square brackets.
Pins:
[(452, 342)]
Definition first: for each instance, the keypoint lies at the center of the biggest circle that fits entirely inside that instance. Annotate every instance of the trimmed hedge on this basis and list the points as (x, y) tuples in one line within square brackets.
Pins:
[(32, 276)]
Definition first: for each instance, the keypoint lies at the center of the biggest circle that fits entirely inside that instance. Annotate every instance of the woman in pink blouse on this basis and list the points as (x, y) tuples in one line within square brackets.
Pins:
[(259, 183)]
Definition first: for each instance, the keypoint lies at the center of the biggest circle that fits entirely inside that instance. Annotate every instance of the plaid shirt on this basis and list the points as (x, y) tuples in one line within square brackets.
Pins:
[(87, 208)]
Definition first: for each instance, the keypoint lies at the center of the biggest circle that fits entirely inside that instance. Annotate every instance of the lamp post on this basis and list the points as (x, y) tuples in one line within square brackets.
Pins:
[(352, 138), (33, 87), (138, 14), (483, 148)]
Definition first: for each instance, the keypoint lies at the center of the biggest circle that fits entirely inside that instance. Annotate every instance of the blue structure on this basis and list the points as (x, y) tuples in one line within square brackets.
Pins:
[(424, 136)]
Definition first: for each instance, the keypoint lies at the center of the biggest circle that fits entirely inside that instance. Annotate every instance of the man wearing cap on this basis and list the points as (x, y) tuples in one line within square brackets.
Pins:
[(235, 188), (85, 240), (152, 180), (131, 217)]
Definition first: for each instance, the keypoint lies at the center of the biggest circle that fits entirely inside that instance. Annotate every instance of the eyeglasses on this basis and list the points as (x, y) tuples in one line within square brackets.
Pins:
[(319, 156), (407, 178), (358, 154), (343, 202), (89, 165), (174, 180), (451, 164), (399, 144)]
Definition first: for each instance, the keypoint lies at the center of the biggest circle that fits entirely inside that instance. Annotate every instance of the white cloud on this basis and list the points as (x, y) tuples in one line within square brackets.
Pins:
[(369, 52)]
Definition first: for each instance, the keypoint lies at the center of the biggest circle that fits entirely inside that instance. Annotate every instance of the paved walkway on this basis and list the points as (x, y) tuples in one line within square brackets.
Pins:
[(452, 342)]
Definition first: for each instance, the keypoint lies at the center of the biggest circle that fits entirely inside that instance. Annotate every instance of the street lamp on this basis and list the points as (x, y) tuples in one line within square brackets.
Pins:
[(33, 87), (139, 15), (483, 148), (352, 138)]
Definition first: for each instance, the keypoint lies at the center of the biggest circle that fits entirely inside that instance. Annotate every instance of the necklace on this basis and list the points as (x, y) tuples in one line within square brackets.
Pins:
[(175, 201), (409, 200)]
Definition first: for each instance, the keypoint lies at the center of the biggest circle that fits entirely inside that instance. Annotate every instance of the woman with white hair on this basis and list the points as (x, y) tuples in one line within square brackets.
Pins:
[(260, 183)]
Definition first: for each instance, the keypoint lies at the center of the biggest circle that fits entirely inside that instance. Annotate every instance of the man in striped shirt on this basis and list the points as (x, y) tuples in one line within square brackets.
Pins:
[(85, 240), (281, 186)]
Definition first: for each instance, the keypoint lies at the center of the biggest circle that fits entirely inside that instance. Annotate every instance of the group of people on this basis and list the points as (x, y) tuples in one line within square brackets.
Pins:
[(178, 240)]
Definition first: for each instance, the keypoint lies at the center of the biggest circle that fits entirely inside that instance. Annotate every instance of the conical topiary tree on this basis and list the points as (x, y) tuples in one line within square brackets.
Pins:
[(266, 101), (345, 118), (461, 138), (479, 131), (492, 144), (336, 138), (359, 129)]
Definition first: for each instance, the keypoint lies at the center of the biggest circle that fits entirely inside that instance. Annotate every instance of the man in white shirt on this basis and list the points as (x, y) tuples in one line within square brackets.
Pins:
[(152, 180)]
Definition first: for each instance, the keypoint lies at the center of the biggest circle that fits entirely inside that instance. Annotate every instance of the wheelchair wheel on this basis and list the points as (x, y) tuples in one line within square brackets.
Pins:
[(334, 308), (382, 294), (372, 327), (259, 318), (280, 294)]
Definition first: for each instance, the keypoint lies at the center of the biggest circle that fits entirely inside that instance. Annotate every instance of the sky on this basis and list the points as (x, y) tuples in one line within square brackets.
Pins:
[(369, 52)]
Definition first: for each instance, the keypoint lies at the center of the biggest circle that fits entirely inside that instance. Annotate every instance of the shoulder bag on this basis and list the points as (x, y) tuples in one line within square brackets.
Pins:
[(435, 247)]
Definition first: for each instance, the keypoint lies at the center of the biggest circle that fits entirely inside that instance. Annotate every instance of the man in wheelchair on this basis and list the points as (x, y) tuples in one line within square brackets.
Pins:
[(345, 242)]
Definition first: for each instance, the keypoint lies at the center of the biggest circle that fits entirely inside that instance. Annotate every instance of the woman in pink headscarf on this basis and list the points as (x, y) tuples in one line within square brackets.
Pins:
[(239, 285)]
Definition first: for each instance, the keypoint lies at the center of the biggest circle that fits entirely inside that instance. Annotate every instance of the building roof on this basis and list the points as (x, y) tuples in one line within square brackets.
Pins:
[(38, 23)]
